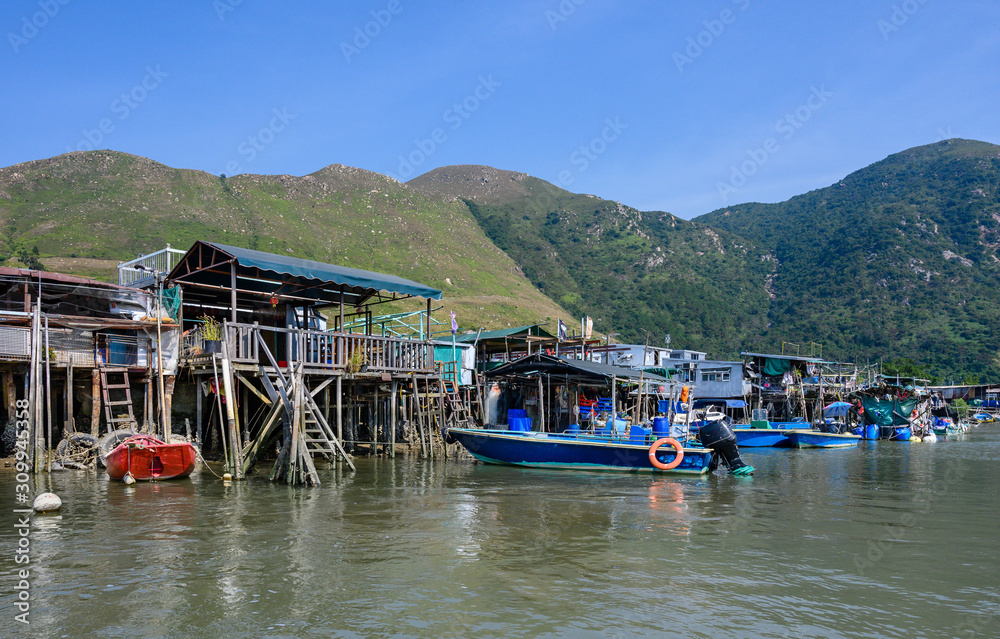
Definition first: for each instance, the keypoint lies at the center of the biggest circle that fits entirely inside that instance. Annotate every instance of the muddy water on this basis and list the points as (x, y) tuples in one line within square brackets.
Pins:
[(887, 540)]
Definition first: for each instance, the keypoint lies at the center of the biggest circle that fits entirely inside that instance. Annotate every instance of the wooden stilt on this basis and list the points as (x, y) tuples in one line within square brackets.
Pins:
[(95, 402), (70, 423), (394, 395), (10, 394), (198, 410)]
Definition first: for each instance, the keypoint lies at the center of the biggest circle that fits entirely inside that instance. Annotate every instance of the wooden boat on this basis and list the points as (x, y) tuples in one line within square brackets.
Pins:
[(808, 438), (145, 457), (576, 451), (749, 437), (582, 451)]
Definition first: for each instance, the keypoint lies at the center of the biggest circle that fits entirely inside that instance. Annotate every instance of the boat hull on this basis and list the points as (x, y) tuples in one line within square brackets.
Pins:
[(760, 438), (817, 439), (576, 452), (147, 458)]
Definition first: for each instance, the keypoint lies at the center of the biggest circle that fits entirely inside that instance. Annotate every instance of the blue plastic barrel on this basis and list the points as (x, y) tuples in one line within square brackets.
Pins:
[(661, 427), (871, 431), (519, 423)]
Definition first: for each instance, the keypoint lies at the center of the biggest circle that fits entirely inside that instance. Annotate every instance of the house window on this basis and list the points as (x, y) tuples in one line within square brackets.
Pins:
[(715, 375)]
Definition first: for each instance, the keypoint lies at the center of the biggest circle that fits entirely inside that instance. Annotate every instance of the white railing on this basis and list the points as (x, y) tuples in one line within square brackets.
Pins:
[(350, 352), (141, 268)]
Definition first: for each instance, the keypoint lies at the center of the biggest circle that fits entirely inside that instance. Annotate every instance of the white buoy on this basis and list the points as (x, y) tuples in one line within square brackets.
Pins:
[(47, 502), (930, 437), (128, 479)]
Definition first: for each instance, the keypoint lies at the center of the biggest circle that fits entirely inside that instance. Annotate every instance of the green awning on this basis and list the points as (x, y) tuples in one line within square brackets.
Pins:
[(310, 270)]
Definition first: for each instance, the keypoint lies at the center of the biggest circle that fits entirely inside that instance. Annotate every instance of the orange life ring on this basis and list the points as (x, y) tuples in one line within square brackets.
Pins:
[(677, 460)]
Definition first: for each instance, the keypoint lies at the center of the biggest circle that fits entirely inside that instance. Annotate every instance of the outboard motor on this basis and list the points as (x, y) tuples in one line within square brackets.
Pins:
[(718, 436)]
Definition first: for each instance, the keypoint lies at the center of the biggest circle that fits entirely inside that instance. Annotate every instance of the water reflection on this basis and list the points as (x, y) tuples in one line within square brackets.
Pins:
[(409, 547)]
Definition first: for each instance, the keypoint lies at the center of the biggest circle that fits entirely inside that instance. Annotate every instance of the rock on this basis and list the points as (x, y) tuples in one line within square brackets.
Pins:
[(47, 502)]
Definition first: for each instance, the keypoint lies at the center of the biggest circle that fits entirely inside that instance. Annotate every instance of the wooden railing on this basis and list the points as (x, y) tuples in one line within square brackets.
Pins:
[(350, 352)]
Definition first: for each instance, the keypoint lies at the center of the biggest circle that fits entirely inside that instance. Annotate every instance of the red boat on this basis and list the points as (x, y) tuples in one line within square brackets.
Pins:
[(145, 457)]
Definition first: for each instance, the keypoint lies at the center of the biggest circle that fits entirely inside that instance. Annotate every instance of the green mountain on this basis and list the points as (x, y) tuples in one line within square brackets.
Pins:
[(897, 260), (639, 274), (87, 211)]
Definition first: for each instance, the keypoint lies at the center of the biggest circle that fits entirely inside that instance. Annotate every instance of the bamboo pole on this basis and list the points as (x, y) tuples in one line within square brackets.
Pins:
[(234, 432)]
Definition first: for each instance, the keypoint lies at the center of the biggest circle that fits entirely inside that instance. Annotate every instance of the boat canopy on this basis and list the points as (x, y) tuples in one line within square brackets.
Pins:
[(577, 369)]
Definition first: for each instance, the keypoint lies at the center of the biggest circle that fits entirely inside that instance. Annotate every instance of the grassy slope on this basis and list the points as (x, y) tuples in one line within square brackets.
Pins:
[(112, 206)]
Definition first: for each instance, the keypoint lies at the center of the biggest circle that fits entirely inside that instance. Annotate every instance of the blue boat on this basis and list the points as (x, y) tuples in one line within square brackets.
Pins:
[(808, 438), (761, 437), (575, 451)]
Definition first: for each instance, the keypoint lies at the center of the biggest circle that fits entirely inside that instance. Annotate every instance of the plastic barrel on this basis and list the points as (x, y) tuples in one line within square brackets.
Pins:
[(519, 423), (871, 431), (661, 427)]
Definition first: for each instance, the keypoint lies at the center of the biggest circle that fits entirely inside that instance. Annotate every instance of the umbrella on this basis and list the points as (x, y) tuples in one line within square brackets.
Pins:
[(836, 409)]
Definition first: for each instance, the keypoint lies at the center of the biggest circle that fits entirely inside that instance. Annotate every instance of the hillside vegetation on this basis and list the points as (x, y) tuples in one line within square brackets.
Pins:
[(87, 209), (897, 261)]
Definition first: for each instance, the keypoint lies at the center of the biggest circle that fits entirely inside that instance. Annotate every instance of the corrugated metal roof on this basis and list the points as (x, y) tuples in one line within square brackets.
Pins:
[(309, 269), (519, 331)]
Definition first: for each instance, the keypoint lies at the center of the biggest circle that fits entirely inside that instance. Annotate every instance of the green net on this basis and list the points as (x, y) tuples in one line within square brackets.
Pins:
[(170, 301)]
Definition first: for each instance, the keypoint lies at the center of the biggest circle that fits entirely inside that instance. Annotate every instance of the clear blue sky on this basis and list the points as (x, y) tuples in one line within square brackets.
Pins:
[(677, 106)]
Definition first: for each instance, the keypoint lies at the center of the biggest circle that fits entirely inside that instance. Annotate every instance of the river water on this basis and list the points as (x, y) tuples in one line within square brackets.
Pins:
[(890, 539)]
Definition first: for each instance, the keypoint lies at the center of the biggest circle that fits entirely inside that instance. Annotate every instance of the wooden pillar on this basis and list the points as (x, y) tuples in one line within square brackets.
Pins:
[(168, 402), (541, 405), (198, 410), (394, 398), (340, 407), (70, 425), (95, 404), (10, 394), (232, 294)]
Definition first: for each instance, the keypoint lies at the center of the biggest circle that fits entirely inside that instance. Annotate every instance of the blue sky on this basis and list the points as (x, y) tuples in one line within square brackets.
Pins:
[(683, 107)]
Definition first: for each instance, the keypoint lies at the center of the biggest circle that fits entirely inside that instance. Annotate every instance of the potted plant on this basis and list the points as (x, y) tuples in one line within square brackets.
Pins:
[(211, 334)]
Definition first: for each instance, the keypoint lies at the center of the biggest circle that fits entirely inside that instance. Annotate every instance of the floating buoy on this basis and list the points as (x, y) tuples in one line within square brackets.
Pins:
[(47, 502), (227, 477), (914, 438), (128, 479), (930, 438)]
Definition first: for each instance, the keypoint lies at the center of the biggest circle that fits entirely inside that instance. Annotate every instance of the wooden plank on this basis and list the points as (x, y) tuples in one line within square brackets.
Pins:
[(264, 398)]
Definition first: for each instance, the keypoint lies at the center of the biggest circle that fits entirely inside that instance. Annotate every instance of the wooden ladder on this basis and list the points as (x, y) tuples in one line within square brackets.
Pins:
[(112, 413), (457, 412)]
